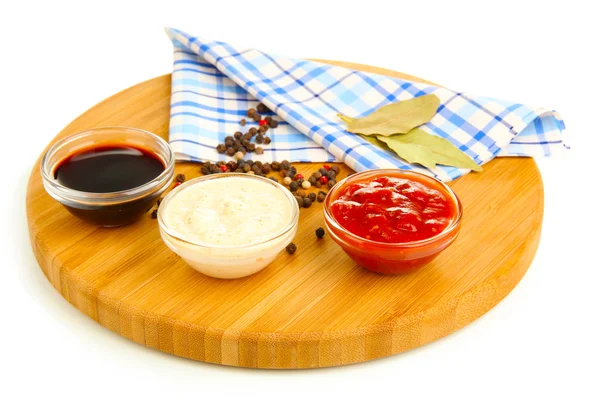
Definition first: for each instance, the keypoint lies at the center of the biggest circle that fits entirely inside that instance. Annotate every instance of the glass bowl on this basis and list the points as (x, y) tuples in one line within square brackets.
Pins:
[(391, 258), (112, 208), (228, 261)]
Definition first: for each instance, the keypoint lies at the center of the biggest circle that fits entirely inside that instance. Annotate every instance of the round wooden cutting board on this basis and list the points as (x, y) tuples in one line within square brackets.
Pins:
[(315, 308)]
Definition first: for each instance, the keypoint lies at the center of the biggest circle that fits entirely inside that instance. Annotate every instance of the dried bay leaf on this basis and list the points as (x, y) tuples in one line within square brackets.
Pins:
[(395, 118), (417, 146)]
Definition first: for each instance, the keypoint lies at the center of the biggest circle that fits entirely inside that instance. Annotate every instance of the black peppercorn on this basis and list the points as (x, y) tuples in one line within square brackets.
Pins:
[(301, 193), (335, 169), (312, 197), (256, 169), (312, 180), (291, 248), (273, 124), (229, 141), (205, 170), (239, 170), (316, 175), (275, 165), (274, 179), (266, 168), (256, 117), (238, 135), (231, 151), (180, 178), (251, 113), (243, 122), (320, 233), (154, 214), (330, 175), (246, 168), (232, 165), (321, 197), (267, 140), (306, 202), (268, 118), (259, 150), (322, 171), (261, 108), (291, 174), (252, 131), (294, 186), (250, 162), (283, 172), (221, 148), (262, 129), (251, 147), (300, 200), (245, 142), (259, 139), (247, 136), (285, 164), (318, 184), (331, 183)]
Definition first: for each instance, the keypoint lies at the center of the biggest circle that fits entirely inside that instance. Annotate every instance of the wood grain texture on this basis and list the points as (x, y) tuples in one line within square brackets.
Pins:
[(313, 309)]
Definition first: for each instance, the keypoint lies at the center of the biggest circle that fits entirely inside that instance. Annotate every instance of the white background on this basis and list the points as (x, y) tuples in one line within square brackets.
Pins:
[(57, 60)]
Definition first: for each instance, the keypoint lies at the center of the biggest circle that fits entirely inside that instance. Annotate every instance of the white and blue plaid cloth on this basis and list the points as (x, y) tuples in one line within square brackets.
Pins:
[(214, 84)]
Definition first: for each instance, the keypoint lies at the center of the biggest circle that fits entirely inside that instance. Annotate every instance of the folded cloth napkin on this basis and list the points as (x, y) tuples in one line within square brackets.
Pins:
[(214, 84)]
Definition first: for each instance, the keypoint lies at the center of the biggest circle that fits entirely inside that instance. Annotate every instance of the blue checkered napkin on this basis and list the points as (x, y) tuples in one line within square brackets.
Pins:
[(215, 83)]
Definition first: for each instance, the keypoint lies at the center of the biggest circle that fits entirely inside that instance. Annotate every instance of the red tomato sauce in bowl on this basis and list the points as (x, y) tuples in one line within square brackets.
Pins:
[(392, 221)]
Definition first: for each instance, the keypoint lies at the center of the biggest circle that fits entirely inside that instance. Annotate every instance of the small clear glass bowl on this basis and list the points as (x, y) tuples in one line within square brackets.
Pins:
[(391, 258), (113, 208), (228, 262)]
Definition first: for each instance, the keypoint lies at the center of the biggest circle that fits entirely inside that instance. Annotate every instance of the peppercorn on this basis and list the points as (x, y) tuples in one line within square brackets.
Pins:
[(221, 148), (327, 167), (287, 181), (252, 131), (267, 140), (298, 176), (275, 165), (291, 248), (262, 123), (312, 180), (231, 151), (247, 136), (318, 185), (306, 185), (251, 147), (243, 122), (223, 168), (180, 178), (312, 197), (321, 197), (316, 175), (335, 169), (300, 181), (250, 162), (274, 179), (205, 171), (268, 118), (256, 169), (261, 108), (306, 202), (229, 140), (256, 118), (221, 163), (154, 214), (285, 164), (176, 184), (322, 171), (300, 200), (320, 232), (258, 163), (331, 183), (294, 186), (291, 174), (293, 169), (236, 147), (301, 193), (238, 135), (158, 202), (250, 172), (262, 129), (259, 138), (330, 175), (283, 173), (324, 180), (246, 168), (266, 168), (251, 113), (273, 124), (259, 150), (232, 165), (239, 155), (239, 170)]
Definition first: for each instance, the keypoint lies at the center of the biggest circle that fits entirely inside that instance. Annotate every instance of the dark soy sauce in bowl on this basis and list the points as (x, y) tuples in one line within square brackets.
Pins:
[(108, 169)]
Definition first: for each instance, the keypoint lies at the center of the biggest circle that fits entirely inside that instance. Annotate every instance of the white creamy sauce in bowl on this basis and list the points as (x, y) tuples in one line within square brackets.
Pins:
[(228, 226)]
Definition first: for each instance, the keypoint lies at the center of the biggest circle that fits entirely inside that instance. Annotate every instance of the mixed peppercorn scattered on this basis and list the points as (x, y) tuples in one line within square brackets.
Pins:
[(238, 145)]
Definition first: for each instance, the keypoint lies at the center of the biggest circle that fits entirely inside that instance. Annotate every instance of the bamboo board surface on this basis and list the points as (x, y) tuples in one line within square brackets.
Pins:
[(313, 309)]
